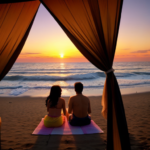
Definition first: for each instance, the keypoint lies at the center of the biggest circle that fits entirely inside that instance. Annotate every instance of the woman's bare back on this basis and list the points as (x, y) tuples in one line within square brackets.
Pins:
[(56, 110)]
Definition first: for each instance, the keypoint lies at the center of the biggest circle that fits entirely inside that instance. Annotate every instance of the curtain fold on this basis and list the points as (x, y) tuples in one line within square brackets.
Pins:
[(93, 28), (15, 23)]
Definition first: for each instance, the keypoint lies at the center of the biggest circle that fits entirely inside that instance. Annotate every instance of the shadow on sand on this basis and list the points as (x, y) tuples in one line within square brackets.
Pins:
[(69, 142), (136, 145)]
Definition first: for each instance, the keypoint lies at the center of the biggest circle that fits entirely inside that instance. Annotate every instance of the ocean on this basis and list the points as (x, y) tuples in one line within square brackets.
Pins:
[(36, 79)]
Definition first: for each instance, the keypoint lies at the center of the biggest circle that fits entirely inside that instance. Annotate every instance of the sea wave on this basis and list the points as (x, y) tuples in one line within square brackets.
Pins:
[(45, 72), (74, 76), (117, 73), (125, 75), (135, 83), (142, 73), (53, 69), (29, 87), (17, 92), (48, 87), (87, 76), (10, 87)]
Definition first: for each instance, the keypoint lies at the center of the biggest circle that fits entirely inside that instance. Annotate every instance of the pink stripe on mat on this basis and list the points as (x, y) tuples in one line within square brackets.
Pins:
[(67, 129)]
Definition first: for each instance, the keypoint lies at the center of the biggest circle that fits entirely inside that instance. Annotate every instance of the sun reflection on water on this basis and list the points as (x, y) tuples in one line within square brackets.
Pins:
[(62, 67)]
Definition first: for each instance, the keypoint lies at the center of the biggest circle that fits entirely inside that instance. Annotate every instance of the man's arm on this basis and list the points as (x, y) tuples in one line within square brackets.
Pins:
[(70, 106)]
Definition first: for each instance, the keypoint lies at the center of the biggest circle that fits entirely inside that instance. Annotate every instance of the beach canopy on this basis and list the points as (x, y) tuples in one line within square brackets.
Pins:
[(92, 25)]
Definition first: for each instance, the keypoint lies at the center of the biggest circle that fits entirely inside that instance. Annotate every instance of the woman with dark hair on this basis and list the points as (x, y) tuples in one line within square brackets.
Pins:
[(54, 104)]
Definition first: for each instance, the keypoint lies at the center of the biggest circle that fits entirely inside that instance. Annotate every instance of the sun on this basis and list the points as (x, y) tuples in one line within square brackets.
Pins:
[(61, 55)]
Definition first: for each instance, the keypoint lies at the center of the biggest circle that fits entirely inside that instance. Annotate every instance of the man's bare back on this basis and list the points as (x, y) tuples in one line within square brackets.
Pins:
[(79, 105)]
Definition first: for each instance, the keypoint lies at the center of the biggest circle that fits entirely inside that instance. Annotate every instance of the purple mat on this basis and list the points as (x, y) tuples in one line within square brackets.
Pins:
[(67, 129)]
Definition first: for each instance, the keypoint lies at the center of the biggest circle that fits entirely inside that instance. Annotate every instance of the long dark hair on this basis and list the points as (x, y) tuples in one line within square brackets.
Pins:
[(54, 95)]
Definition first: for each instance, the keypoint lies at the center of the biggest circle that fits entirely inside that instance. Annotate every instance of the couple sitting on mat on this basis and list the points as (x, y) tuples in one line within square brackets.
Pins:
[(79, 108)]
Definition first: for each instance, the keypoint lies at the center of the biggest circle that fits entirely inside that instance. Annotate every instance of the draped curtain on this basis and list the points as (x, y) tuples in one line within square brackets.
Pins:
[(15, 23), (92, 25)]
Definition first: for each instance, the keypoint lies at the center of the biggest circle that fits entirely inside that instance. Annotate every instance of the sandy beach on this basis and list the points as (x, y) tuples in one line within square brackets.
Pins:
[(21, 115)]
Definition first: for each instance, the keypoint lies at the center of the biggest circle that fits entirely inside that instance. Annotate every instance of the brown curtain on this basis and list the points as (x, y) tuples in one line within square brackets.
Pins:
[(15, 23), (14, 1), (92, 25)]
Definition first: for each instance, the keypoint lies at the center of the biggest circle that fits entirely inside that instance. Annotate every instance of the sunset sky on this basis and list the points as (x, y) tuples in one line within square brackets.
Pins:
[(48, 43)]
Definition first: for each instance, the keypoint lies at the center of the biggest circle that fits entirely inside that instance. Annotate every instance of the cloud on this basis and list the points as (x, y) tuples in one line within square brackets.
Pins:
[(30, 53), (125, 55), (141, 51)]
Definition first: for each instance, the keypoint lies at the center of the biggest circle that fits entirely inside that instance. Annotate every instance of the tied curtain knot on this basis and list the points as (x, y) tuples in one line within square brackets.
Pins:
[(109, 71)]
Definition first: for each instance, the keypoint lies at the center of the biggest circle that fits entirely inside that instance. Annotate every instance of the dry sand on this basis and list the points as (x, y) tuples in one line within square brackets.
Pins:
[(21, 115)]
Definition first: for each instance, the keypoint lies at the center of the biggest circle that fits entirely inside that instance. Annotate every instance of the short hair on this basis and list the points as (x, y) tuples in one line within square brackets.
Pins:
[(78, 87)]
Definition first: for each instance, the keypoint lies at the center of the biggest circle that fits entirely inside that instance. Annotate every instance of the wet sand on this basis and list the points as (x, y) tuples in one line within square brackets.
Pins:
[(21, 115)]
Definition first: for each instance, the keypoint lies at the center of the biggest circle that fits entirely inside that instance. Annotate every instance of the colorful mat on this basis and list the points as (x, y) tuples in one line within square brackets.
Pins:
[(67, 129)]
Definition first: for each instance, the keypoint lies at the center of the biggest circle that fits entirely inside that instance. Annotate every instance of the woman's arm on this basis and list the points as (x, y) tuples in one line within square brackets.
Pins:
[(89, 108), (70, 106), (64, 107), (48, 105)]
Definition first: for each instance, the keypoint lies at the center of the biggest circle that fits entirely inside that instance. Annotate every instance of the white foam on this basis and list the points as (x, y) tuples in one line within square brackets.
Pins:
[(1, 91), (17, 92)]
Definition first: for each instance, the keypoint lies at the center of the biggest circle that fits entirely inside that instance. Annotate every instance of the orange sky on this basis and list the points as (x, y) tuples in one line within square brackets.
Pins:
[(47, 41)]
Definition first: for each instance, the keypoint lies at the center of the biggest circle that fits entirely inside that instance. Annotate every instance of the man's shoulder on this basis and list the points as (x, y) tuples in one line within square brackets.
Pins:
[(84, 96), (72, 97), (81, 96)]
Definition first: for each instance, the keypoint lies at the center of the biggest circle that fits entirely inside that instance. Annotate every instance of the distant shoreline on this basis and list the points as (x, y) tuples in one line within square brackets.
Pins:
[(34, 97), (92, 93)]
